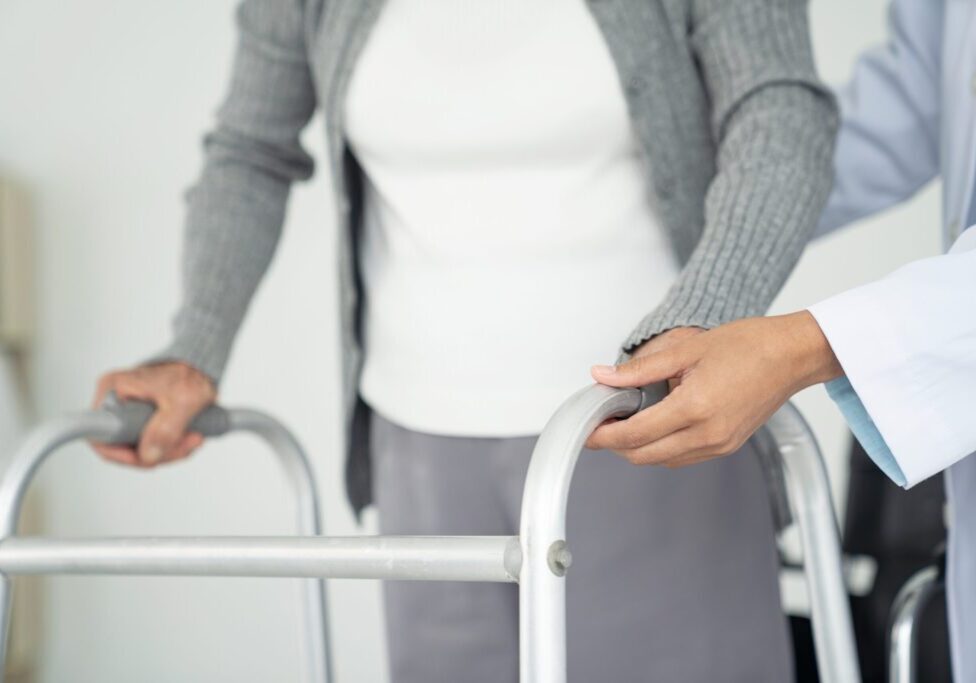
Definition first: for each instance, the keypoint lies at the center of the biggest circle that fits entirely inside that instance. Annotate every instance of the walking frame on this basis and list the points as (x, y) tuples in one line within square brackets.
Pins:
[(914, 597), (537, 559)]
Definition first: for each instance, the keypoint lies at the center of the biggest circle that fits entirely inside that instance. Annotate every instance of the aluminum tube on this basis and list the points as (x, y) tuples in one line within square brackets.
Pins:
[(317, 642), (415, 558), (6, 599), (34, 450), (542, 591), (292, 459), (809, 494), (103, 424), (40, 443), (909, 603)]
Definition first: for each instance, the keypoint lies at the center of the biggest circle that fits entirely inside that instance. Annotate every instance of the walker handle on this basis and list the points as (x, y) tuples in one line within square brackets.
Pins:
[(133, 416), (652, 393)]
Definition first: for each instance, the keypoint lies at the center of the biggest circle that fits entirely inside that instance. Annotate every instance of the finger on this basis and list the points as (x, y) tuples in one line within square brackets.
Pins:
[(106, 383), (189, 443), (636, 372), (125, 387), (709, 453), (121, 455), (645, 427), (692, 459), (131, 386), (164, 432), (667, 339), (685, 442)]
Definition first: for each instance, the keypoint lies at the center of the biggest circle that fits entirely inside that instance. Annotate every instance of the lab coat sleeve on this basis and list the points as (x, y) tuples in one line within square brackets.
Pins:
[(888, 145), (907, 344)]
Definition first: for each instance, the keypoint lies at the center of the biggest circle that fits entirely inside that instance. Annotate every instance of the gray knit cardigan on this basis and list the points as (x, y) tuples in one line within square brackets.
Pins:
[(722, 94)]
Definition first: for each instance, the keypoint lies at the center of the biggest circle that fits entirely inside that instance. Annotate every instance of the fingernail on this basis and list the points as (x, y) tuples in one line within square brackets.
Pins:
[(153, 455), (605, 369)]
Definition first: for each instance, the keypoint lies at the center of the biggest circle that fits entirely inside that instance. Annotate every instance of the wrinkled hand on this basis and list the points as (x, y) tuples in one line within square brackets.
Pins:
[(179, 392), (726, 383)]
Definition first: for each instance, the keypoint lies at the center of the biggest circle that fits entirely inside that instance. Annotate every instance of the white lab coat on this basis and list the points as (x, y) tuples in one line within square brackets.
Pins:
[(908, 342)]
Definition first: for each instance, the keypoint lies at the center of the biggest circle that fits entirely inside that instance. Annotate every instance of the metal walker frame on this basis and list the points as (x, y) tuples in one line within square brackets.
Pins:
[(906, 613), (537, 559)]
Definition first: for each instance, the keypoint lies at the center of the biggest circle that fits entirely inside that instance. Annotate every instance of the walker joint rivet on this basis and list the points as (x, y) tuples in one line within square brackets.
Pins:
[(560, 559)]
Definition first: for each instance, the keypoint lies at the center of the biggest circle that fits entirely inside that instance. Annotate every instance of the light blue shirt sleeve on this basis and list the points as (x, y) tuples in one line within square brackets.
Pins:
[(865, 431)]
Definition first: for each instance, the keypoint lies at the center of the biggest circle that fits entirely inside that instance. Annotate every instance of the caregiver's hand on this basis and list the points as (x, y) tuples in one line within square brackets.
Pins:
[(666, 340), (179, 391), (726, 382)]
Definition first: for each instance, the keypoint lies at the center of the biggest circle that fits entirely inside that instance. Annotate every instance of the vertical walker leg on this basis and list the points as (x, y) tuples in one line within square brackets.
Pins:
[(317, 632), (6, 596), (809, 495), (911, 600), (545, 557), (299, 472), (542, 591)]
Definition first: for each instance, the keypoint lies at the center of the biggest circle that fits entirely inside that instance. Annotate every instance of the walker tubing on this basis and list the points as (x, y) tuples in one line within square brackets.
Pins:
[(906, 613), (122, 424), (538, 558)]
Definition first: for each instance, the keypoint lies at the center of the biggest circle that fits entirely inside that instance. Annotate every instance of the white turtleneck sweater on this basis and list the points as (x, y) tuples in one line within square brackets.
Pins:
[(504, 200)]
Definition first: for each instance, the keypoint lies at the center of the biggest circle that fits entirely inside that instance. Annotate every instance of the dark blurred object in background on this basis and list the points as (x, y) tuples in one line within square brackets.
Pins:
[(903, 531)]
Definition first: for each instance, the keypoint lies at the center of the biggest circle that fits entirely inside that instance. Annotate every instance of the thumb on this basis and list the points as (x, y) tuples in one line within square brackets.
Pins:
[(640, 371), (165, 430)]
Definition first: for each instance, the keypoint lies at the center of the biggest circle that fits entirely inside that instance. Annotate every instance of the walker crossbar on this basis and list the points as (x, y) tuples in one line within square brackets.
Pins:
[(538, 558), (415, 558)]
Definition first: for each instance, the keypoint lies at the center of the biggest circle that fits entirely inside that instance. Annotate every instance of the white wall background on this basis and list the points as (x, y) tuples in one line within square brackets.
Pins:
[(102, 104)]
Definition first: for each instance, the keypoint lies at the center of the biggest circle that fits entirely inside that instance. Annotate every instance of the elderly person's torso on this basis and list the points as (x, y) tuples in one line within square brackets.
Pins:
[(734, 134), (504, 199)]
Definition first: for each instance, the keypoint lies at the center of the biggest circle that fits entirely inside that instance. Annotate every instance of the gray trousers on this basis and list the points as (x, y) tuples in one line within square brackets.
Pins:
[(674, 576)]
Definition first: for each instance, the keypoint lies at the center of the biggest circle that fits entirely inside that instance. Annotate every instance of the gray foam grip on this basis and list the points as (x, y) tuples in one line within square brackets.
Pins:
[(133, 416), (653, 393)]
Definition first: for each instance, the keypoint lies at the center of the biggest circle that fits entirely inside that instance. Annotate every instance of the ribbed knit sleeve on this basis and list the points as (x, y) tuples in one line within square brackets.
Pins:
[(774, 125), (236, 209)]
